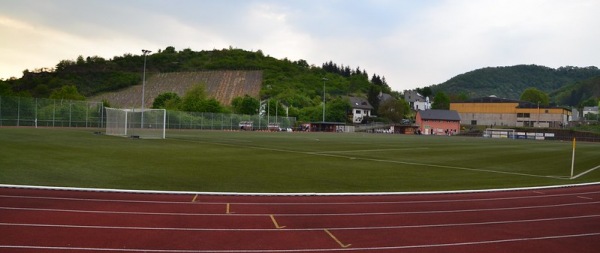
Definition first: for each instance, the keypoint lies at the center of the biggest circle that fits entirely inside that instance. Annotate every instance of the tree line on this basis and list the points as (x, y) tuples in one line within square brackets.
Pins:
[(566, 86), (296, 85)]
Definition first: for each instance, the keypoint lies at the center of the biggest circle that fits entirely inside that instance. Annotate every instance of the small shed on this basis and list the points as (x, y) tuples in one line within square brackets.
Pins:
[(405, 129), (326, 126)]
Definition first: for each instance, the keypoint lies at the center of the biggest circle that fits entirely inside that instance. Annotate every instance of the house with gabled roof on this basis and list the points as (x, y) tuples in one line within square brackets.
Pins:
[(361, 108), (438, 122), (416, 101)]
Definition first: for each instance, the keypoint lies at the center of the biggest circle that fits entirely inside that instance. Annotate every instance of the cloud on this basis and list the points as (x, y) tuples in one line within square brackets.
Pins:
[(411, 43)]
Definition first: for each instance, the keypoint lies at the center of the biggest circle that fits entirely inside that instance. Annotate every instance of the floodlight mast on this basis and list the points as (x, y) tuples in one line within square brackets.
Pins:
[(324, 79), (145, 52)]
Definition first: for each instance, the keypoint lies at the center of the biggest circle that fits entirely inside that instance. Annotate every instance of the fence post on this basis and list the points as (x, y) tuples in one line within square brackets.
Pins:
[(36, 118), (53, 112), (18, 110), (70, 113)]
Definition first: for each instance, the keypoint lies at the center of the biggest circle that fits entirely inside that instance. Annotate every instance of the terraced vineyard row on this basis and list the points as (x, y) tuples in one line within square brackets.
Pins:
[(222, 85)]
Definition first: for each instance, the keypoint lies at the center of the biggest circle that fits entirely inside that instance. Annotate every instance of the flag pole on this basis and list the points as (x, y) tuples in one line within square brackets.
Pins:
[(573, 159)]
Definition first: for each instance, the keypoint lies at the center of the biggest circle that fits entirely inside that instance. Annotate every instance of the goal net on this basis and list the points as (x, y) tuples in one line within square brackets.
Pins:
[(147, 124), (499, 133)]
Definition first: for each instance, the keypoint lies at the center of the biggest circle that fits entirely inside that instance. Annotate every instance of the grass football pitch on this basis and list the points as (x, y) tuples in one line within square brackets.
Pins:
[(260, 162)]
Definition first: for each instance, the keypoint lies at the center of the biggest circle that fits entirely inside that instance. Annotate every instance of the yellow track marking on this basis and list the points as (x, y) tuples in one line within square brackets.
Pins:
[(194, 200), (228, 211), (275, 222), (336, 240)]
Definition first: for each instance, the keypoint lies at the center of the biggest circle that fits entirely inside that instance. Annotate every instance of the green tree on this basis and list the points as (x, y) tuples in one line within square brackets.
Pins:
[(167, 100), (5, 89), (245, 105), (373, 96), (337, 110), (196, 100), (425, 92), (193, 99), (393, 110), (535, 96), (441, 101), (212, 105), (588, 102), (68, 92), (105, 103)]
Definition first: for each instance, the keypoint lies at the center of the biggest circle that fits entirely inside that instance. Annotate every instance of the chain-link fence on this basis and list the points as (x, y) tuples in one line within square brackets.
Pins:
[(41, 112), (24, 111), (220, 121)]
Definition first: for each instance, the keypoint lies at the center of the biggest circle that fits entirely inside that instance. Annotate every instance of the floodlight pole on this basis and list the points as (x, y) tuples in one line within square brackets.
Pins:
[(145, 52), (324, 79), (573, 159), (538, 114)]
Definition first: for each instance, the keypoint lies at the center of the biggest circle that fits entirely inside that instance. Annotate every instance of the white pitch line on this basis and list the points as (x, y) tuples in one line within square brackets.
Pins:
[(303, 214), (511, 240), (366, 150), (324, 153), (585, 172), (413, 163)]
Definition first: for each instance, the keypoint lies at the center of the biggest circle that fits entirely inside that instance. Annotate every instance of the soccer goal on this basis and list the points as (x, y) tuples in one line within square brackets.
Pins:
[(147, 123), (499, 133)]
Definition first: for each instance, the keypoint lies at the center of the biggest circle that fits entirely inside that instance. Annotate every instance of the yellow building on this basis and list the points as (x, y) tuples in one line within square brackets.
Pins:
[(492, 111)]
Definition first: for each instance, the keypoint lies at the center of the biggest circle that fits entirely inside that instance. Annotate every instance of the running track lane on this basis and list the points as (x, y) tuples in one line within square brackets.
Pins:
[(548, 220)]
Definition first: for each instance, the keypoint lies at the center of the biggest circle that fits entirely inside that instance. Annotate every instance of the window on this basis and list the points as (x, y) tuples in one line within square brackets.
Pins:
[(358, 111), (523, 115)]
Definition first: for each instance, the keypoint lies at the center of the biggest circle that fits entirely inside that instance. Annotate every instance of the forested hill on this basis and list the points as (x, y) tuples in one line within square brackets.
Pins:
[(295, 82), (510, 82)]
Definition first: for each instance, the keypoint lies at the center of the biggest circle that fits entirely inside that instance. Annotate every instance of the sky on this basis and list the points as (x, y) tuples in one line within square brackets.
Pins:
[(412, 43)]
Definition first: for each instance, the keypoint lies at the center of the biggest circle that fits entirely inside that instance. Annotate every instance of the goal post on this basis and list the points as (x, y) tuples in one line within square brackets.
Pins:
[(147, 123), (499, 133), (116, 122)]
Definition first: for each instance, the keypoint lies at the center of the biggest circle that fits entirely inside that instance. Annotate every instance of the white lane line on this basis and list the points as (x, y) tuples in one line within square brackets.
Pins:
[(296, 194), (305, 229), (303, 214), (542, 195), (470, 243)]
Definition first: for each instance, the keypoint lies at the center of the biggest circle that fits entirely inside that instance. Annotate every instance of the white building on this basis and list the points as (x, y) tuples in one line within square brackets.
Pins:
[(361, 108), (416, 101), (590, 109)]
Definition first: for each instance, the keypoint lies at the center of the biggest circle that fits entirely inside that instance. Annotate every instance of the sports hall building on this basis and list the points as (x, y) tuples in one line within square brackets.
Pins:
[(492, 111)]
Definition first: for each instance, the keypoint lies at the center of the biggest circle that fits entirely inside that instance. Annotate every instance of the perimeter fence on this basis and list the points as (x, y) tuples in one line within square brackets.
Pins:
[(42, 112), (222, 121)]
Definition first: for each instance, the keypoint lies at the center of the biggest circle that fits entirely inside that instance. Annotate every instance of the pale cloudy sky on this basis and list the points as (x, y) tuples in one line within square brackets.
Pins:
[(412, 43)]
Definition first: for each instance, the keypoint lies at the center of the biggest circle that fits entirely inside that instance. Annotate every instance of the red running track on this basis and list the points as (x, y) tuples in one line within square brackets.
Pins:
[(543, 220)]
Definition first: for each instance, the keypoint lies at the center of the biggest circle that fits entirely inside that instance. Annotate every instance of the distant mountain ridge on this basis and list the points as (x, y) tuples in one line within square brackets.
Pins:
[(509, 82)]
